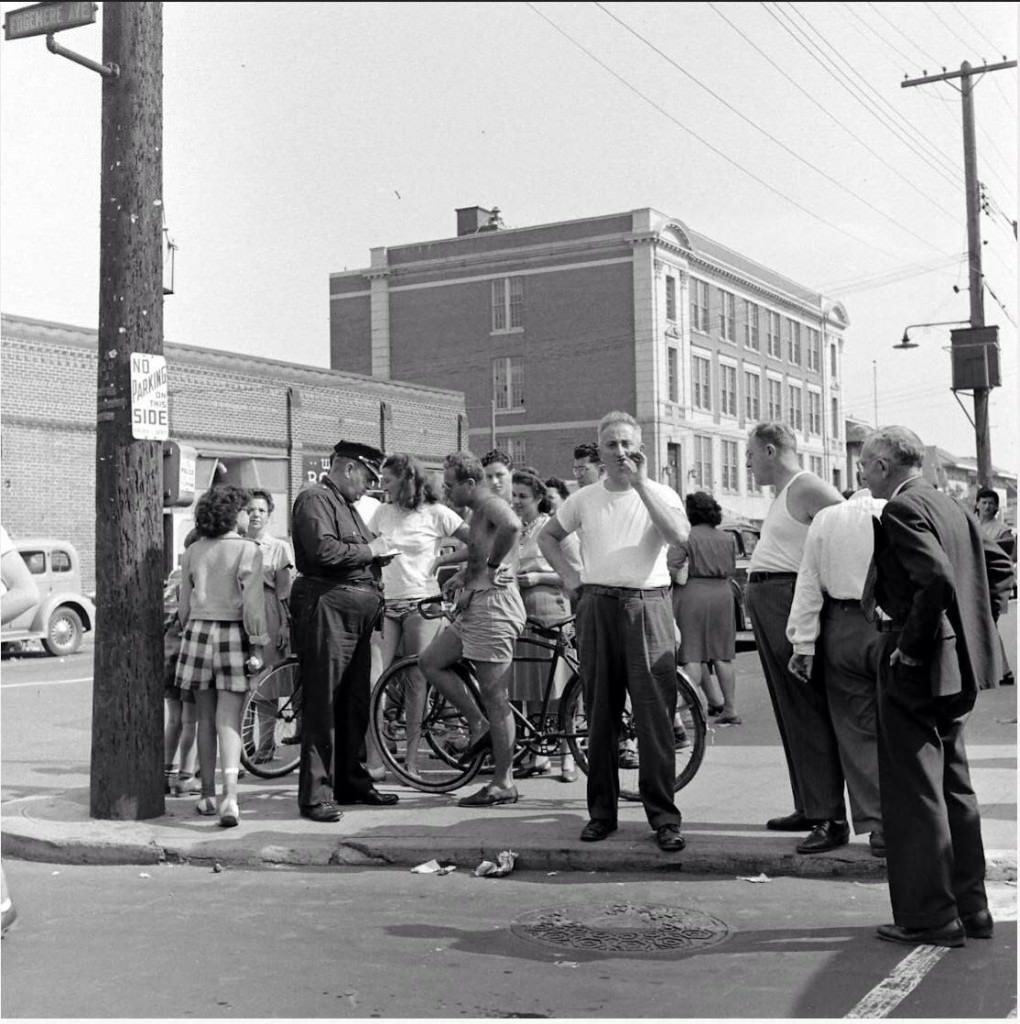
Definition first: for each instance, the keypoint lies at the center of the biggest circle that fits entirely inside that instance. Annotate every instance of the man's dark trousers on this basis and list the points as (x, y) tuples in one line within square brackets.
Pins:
[(333, 629), (935, 856), (626, 643), (801, 709)]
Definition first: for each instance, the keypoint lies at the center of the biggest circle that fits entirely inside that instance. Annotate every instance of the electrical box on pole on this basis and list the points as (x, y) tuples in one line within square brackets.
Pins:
[(975, 352)]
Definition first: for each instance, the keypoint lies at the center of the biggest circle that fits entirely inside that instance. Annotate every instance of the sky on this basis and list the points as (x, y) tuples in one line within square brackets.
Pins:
[(298, 136)]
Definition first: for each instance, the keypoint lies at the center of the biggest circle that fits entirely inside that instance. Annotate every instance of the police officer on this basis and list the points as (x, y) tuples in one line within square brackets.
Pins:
[(335, 603)]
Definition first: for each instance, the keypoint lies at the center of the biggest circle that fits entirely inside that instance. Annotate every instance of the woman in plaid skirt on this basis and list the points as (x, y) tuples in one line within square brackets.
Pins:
[(222, 610)]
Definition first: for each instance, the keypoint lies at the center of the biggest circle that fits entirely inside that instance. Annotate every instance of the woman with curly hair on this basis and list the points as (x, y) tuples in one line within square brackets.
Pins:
[(414, 523), (701, 569), (222, 610)]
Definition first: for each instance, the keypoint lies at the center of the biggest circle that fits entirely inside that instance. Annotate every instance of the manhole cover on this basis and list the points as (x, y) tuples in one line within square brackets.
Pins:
[(622, 928)]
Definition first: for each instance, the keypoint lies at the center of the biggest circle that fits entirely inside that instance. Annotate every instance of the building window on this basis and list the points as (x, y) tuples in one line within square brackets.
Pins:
[(674, 375), (775, 344), (795, 353), (814, 349), (728, 315), (814, 413), (670, 298), (796, 414), (701, 378), (753, 487), (833, 362), (703, 462), (516, 448), (730, 466), (752, 397), (508, 383), (775, 391), (816, 465), (727, 390), (508, 304), (699, 305), (836, 432), (751, 311)]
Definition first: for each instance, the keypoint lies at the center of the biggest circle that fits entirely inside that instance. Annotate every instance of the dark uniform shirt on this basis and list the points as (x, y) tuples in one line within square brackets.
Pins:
[(331, 539)]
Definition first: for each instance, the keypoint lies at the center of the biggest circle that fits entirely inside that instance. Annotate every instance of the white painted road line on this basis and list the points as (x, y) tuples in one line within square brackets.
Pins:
[(47, 682), (909, 973)]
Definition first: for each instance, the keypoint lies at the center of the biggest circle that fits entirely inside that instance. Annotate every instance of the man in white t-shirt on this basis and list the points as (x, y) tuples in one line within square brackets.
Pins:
[(624, 623)]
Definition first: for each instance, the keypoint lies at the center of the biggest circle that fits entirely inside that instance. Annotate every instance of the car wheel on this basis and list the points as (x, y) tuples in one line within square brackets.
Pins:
[(64, 632)]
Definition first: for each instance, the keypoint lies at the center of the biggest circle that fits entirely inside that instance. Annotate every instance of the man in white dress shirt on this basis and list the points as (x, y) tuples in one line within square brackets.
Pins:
[(827, 601)]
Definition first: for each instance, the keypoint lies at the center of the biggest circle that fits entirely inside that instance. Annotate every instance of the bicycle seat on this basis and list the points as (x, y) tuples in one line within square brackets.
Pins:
[(550, 630)]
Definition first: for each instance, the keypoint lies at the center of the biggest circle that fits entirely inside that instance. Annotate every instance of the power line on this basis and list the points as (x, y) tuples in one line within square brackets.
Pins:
[(835, 120), (897, 123), (869, 283), (690, 131), (782, 145)]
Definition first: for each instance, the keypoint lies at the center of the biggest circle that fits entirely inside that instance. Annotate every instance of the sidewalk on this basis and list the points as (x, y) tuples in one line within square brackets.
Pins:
[(724, 811)]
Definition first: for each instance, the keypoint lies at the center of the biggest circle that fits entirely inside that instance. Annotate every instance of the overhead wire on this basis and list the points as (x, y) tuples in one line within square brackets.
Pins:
[(708, 145), (995, 50), (747, 120), (894, 121), (828, 113), (883, 280), (934, 61)]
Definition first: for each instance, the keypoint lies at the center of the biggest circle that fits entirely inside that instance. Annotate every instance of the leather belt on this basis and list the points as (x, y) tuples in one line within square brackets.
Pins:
[(330, 581), (848, 604), (765, 577), (888, 626), (623, 592)]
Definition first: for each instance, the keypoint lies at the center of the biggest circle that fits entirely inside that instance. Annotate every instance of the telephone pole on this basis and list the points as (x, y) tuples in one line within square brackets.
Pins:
[(127, 703), (977, 281)]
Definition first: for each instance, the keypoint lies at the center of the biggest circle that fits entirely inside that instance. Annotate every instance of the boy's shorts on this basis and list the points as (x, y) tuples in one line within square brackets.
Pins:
[(490, 624)]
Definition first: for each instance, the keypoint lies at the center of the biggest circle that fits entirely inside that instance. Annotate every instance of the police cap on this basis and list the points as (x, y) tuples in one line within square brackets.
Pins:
[(371, 458)]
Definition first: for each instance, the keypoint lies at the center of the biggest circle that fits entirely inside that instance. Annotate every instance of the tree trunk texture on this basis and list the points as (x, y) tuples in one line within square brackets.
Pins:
[(127, 703)]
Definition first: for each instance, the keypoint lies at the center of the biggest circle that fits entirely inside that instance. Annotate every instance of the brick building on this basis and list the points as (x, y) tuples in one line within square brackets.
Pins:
[(546, 328), (251, 421)]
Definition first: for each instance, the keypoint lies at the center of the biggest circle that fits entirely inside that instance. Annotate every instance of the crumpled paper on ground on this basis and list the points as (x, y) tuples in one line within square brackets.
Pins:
[(754, 878), (504, 865), (433, 867)]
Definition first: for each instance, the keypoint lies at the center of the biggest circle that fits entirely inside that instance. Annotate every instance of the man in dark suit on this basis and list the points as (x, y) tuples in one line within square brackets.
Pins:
[(935, 579)]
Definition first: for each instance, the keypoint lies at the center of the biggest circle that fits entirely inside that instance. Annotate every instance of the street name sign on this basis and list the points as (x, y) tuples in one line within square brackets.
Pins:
[(150, 398), (42, 19)]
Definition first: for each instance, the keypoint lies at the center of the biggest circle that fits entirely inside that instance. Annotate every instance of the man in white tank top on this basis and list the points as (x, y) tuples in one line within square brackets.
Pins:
[(801, 708)]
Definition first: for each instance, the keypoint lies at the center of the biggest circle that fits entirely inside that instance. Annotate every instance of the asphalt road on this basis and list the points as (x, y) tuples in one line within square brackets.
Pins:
[(187, 942)]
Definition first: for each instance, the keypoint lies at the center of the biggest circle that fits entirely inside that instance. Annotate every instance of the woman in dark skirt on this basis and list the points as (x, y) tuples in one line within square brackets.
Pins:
[(703, 604)]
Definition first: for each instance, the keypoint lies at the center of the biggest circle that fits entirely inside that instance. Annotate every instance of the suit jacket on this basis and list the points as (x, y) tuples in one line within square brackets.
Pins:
[(937, 578)]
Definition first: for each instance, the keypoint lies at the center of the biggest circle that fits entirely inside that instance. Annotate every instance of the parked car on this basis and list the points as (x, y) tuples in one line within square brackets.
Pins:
[(64, 614), (746, 535)]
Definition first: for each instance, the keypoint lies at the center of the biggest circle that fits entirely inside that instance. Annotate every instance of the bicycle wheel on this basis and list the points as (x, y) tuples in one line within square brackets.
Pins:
[(271, 722), (436, 744), (688, 729)]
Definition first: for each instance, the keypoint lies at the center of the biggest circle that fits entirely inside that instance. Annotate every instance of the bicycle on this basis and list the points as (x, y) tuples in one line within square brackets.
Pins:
[(271, 722), (441, 746)]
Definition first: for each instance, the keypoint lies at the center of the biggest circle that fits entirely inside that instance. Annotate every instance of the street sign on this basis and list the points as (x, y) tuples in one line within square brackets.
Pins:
[(42, 19), (150, 398)]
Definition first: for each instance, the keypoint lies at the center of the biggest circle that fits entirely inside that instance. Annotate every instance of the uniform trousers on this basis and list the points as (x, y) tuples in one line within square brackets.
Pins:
[(850, 648), (935, 857), (626, 644), (801, 709), (332, 630)]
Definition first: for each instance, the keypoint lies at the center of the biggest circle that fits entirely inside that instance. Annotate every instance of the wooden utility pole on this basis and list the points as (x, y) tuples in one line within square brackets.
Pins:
[(977, 281), (127, 702)]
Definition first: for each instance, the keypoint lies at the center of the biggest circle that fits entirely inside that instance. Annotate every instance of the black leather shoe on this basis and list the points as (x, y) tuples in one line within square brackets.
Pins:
[(978, 925), (950, 934), (597, 829), (372, 797), (669, 839), (826, 836), (325, 811), (795, 822)]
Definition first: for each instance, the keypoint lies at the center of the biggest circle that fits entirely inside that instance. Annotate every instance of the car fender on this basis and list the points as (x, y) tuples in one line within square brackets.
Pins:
[(76, 602)]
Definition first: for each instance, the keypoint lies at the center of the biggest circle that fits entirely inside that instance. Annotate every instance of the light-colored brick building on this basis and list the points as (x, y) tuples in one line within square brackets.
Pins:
[(546, 328), (252, 421)]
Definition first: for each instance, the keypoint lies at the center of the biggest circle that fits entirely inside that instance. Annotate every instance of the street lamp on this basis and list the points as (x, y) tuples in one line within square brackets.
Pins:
[(906, 343), (975, 353)]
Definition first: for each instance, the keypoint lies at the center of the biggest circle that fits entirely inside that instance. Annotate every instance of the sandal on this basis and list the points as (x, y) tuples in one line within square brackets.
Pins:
[(206, 805)]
